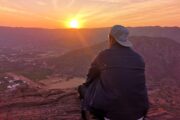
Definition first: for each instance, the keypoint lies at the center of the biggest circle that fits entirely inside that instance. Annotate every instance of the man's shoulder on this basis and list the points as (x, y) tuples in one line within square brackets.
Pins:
[(104, 52), (138, 56)]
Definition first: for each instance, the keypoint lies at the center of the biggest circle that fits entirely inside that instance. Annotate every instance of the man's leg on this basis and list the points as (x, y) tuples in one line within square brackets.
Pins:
[(141, 118), (98, 114), (138, 119)]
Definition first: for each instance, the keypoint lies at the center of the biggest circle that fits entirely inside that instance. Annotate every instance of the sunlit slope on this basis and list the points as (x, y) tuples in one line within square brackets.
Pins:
[(160, 55)]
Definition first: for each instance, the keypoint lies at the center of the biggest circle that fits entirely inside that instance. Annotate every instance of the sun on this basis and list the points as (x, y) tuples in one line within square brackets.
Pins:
[(74, 23)]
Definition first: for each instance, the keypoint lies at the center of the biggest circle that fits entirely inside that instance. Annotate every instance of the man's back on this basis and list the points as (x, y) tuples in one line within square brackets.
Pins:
[(121, 89)]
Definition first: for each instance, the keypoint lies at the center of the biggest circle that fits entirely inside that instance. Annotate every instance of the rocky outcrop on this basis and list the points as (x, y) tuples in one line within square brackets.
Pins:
[(40, 105), (32, 103), (21, 99)]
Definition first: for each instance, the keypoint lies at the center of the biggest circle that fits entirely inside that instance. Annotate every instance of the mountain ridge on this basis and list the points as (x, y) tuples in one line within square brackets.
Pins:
[(64, 40)]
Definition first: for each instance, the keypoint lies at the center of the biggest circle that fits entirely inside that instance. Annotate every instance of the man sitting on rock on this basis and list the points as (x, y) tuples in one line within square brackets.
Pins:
[(116, 87)]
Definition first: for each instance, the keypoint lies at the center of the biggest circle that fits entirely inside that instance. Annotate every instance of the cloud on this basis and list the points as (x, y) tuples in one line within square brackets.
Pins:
[(70, 3), (26, 13), (109, 1), (41, 3), (121, 1), (7, 9), (55, 4), (98, 12)]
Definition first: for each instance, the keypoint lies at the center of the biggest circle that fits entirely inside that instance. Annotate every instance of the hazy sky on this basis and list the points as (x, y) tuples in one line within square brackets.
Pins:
[(90, 13)]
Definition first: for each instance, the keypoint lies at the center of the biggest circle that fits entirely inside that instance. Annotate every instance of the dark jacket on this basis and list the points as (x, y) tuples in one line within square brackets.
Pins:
[(118, 85)]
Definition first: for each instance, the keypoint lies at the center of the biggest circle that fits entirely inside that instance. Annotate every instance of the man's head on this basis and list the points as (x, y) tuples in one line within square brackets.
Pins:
[(119, 34)]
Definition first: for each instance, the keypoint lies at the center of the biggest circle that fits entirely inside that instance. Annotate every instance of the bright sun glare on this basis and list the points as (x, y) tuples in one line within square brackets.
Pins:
[(74, 23)]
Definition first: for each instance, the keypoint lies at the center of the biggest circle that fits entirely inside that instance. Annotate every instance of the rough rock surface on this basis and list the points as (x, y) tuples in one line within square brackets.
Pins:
[(33, 101), (33, 104), (40, 105)]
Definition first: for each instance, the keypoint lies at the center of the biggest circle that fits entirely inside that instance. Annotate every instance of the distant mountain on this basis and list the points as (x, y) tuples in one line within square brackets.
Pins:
[(63, 40), (167, 32), (47, 39), (69, 39)]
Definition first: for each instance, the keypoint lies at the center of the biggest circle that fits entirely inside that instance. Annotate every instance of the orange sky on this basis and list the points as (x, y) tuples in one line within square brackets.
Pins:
[(90, 13)]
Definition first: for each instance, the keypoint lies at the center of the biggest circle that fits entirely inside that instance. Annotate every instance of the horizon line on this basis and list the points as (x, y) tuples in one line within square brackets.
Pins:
[(26, 27)]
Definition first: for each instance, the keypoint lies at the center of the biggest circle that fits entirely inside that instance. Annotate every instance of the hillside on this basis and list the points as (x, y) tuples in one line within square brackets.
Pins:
[(162, 66), (75, 63), (159, 53)]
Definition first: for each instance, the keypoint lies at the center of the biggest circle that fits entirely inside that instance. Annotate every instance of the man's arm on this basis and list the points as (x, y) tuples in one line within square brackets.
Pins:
[(94, 71)]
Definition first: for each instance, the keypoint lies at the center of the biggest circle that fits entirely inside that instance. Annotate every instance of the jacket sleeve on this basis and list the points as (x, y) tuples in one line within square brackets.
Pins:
[(94, 71)]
